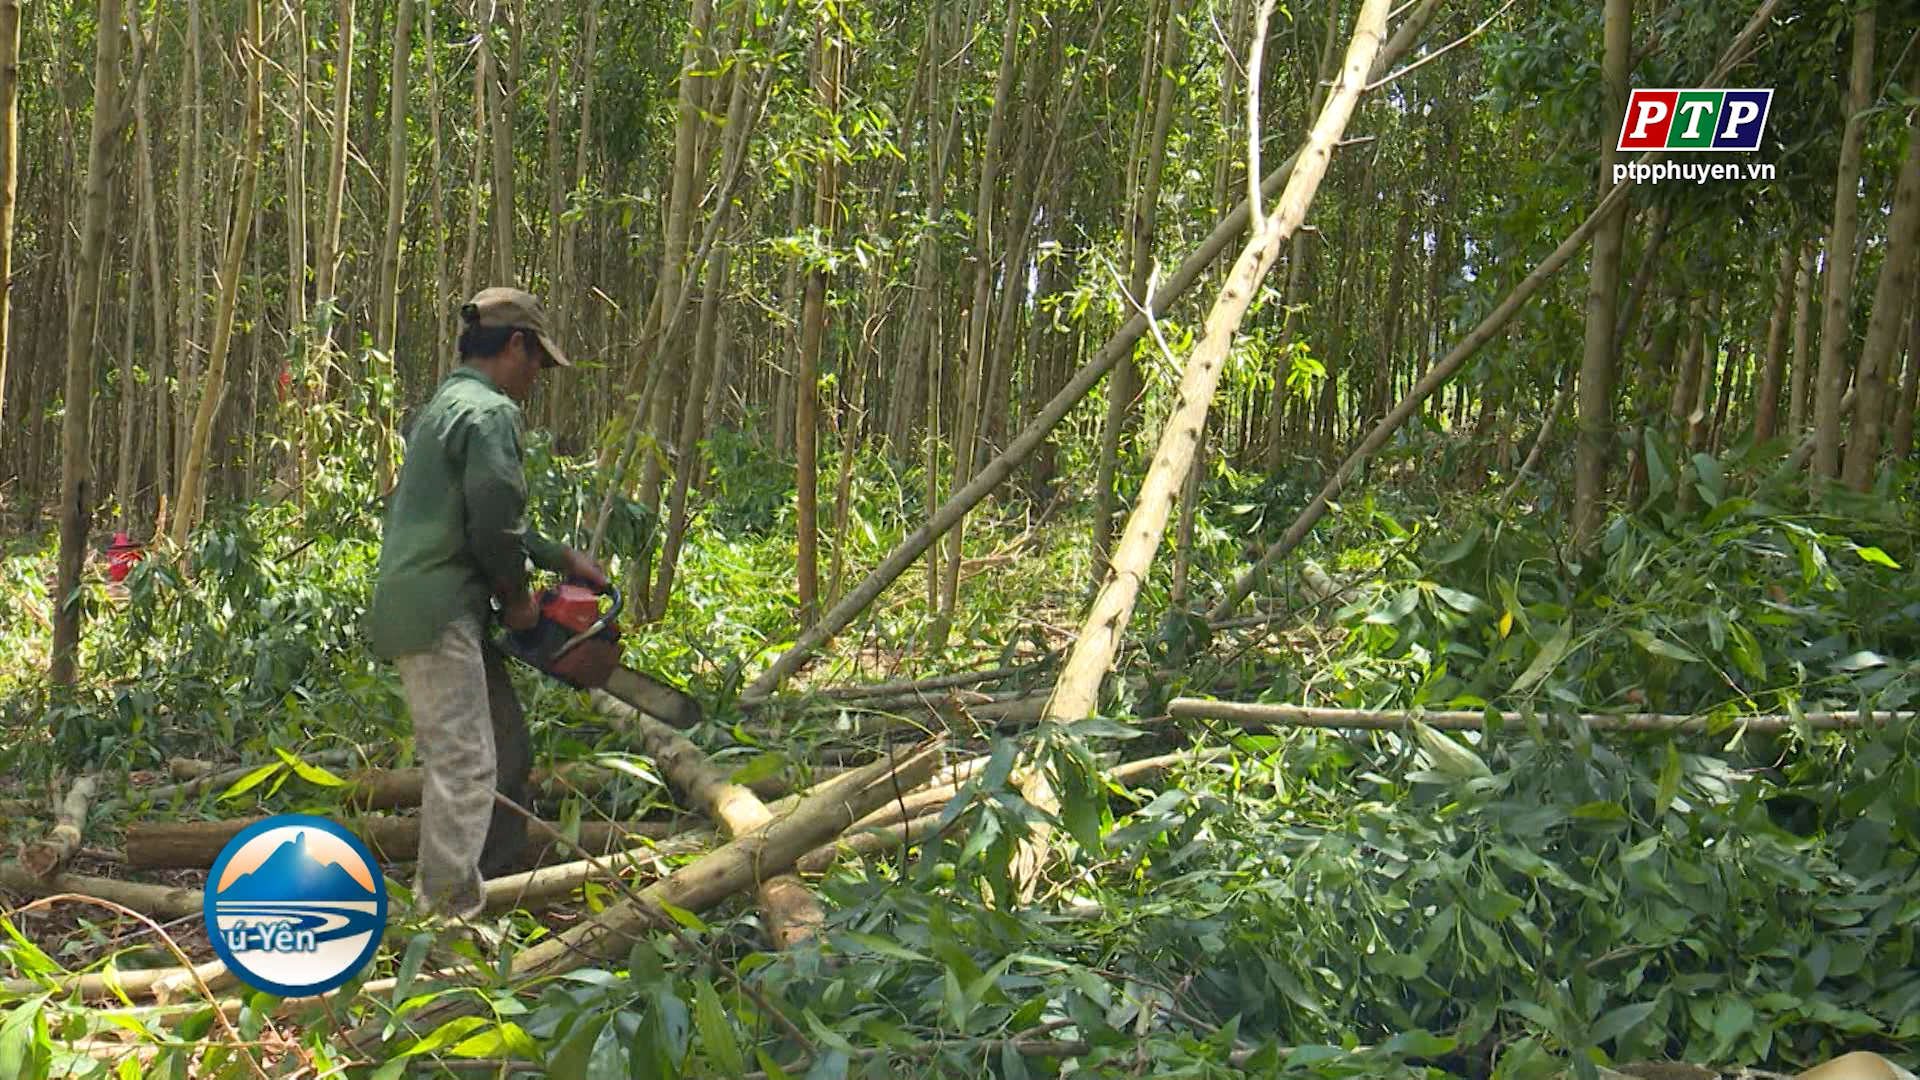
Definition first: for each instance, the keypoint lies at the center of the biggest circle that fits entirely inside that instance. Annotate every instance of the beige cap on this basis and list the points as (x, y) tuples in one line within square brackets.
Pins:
[(516, 309)]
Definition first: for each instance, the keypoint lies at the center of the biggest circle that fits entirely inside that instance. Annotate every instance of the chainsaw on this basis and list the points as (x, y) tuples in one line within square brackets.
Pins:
[(579, 644)]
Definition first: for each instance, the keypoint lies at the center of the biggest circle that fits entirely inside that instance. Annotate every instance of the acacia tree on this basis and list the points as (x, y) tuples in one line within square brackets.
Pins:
[(76, 495), (1598, 357)]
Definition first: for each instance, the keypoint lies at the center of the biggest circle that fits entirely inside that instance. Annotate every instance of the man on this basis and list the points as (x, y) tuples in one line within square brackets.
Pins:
[(456, 536)]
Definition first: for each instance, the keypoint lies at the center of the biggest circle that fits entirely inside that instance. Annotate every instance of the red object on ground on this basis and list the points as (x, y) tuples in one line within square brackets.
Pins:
[(121, 555)]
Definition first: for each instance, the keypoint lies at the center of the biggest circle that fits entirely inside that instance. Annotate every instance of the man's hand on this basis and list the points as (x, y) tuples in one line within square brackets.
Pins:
[(577, 563), (522, 613)]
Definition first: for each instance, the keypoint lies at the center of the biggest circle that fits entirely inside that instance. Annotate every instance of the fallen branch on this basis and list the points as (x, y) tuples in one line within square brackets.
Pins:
[(1259, 717), (914, 687), (772, 848), (169, 793), (160, 901), (792, 913), (44, 858)]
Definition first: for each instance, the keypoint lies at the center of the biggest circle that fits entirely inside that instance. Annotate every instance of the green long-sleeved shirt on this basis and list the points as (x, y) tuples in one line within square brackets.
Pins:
[(456, 530)]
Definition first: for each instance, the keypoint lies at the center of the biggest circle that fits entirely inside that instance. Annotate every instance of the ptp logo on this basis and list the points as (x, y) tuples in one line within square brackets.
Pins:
[(1695, 119), (295, 905)]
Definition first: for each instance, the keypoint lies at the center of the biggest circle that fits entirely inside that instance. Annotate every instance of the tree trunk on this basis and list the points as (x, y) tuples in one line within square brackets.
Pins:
[(1142, 220), (9, 170), (1835, 335), (327, 256), (1076, 694), (1800, 384), (1909, 385), (974, 367), (190, 501), (1597, 361), (387, 312), (813, 326), (1774, 369), (76, 496), (440, 303), (692, 427), (1891, 297), (501, 213)]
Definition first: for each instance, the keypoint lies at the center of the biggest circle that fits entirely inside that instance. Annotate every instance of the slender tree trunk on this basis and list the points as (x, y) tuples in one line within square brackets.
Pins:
[(1143, 219), (191, 499), (813, 325), (1774, 369), (9, 171), (1893, 294), (502, 145), (1836, 312), (967, 422), (76, 496), (1902, 439), (692, 426), (387, 314), (327, 258), (476, 179), (123, 446), (1597, 363), (442, 304), (1801, 382)]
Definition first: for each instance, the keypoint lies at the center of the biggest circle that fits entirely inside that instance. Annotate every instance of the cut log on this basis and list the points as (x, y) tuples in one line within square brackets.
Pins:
[(44, 858), (740, 864), (170, 793), (911, 688), (158, 901), (792, 913), (172, 845), (1261, 717)]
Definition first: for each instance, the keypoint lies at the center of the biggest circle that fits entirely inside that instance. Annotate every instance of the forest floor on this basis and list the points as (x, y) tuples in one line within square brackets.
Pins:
[(1222, 896)]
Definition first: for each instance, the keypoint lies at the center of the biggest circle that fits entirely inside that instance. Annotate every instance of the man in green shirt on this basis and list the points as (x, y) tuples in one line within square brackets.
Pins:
[(456, 535)]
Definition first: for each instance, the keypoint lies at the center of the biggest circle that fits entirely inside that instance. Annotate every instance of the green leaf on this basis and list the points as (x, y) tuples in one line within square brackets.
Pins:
[(716, 1035), (1447, 755), (312, 774), (1418, 1044), (444, 1036), (1876, 556), (1549, 656), (1397, 965), (1402, 605), (684, 917), (1621, 1021), (250, 781), (395, 1069), (1464, 603), (1860, 661), (875, 943), (1461, 548), (502, 1039), (1661, 647)]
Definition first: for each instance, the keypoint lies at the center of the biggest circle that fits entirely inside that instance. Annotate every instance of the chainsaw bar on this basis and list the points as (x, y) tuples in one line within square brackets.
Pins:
[(670, 706)]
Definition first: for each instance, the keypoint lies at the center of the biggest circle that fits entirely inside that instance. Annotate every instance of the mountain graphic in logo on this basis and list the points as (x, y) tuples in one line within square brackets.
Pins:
[(295, 905), (292, 873)]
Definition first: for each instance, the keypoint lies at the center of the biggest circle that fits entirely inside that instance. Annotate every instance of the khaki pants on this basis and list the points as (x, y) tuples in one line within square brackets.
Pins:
[(472, 739)]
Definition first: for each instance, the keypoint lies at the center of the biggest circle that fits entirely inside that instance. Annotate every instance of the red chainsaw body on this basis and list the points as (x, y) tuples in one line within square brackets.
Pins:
[(575, 609)]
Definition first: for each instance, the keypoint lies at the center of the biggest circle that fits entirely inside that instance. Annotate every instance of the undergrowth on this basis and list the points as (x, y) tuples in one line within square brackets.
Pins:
[(1506, 904)]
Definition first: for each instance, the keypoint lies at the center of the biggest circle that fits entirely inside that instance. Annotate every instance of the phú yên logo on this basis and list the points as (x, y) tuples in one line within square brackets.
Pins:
[(1723, 119), (295, 905)]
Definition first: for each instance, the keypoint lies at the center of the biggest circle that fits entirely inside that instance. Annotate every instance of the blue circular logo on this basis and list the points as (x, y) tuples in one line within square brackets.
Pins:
[(295, 905)]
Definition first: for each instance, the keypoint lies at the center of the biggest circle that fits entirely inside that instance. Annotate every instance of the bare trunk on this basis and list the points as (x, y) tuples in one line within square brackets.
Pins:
[(440, 303), (1902, 443), (813, 325), (1595, 449), (967, 421), (191, 498), (76, 496), (501, 213), (387, 312), (1892, 295), (1801, 382), (9, 170), (1774, 369), (692, 426), (1837, 310)]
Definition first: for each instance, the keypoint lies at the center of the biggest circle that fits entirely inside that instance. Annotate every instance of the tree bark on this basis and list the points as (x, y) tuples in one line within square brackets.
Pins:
[(190, 500), (813, 326), (967, 422), (9, 171), (1767, 403), (76, 496), (327, 258), (1598, 357), (440, 303), (1142, 220), (1892, 295), (1902, 443), (501, 211), (1801, 381), (1835, 335), (692, 427), (387, 303)]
